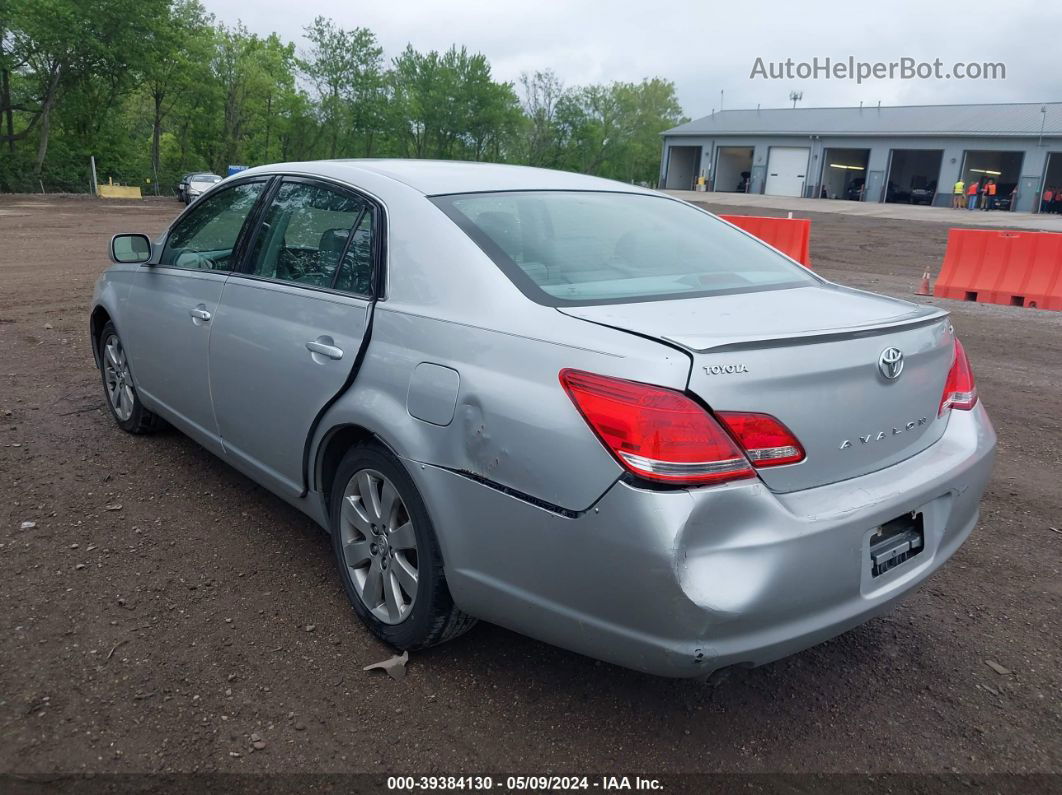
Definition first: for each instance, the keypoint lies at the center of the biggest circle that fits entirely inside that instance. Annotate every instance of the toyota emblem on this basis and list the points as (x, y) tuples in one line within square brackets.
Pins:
[(891, 363)]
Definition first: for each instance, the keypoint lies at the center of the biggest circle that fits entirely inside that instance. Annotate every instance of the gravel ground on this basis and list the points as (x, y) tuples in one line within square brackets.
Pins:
[(165, 614)]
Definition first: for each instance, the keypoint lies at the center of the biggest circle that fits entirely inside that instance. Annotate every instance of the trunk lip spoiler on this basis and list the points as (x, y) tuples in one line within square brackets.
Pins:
[(697, 344)]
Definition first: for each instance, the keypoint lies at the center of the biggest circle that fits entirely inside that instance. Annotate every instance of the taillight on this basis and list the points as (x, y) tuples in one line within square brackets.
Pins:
[(767, 442), (656, 433), (960, 391)]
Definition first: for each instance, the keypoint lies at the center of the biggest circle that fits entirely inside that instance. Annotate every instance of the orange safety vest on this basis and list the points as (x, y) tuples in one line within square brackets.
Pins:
[(1048, 195), (972, 190), (991, 189)]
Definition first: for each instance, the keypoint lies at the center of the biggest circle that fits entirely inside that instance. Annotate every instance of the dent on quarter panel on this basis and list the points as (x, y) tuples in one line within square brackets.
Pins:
[(485, 453), (513, 424)]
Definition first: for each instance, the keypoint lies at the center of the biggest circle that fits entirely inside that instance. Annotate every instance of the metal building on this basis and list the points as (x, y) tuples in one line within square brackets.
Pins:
[(911, 153)]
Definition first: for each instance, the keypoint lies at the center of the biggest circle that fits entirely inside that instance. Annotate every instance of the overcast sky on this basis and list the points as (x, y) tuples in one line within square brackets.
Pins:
[(705, 46)]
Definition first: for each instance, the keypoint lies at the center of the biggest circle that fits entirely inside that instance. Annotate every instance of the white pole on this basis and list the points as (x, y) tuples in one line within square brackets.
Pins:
[(95, 187)]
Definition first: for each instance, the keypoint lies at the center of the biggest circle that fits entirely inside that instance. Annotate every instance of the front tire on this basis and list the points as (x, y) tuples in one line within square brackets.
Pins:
[(387, 553), (118, 388)]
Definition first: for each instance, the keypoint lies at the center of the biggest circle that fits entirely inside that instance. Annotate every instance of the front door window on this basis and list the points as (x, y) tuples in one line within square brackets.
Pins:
[(204, 239)]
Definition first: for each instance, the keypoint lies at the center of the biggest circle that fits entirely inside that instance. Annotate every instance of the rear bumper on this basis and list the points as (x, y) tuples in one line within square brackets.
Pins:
[(682, 583)]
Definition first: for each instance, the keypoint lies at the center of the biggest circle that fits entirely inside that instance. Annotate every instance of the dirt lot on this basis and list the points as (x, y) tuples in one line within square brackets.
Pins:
[(165, 613)]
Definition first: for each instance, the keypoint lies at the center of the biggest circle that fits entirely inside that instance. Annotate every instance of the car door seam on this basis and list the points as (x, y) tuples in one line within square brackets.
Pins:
[(344, 387), (210, 359)]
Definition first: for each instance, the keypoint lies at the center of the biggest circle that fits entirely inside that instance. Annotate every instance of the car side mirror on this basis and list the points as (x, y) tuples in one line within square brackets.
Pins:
[(130, 249)]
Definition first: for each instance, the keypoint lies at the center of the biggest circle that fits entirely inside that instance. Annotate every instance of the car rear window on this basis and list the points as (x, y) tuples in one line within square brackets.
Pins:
[(582, 247)]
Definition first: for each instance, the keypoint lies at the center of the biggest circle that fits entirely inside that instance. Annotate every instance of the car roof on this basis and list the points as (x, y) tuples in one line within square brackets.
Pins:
[(436, 177)]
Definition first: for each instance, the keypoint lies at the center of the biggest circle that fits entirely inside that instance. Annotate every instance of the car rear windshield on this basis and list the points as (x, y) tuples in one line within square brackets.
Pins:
[(211, 178), (582, 247)]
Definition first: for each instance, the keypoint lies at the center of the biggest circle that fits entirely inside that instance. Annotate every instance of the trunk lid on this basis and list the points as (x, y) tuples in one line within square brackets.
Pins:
[(810, 357)]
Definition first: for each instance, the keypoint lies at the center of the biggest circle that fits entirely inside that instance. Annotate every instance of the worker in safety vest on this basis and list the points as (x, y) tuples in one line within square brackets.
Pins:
[(1045, 201), (988, 198), (971, 195), (959, 190)]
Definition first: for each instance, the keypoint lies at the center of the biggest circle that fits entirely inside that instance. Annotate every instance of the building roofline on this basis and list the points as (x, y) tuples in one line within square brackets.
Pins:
[(859, 134), (1012, 119), (883, 107)]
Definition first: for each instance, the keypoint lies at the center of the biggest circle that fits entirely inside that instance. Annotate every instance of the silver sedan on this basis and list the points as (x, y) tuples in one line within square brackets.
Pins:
[(583, 410), (195, 185)]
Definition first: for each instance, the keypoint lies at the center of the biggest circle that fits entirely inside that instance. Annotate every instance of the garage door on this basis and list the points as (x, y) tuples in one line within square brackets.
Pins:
[(787, 168)]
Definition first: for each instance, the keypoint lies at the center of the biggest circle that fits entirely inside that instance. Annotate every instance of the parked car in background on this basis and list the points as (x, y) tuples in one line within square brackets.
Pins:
[(1005, 196), (182, 188), (197, 184), (577, 408), (894, 193), (924, 194)]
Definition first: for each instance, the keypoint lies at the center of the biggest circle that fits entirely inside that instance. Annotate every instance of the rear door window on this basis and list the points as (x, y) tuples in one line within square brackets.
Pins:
[(355, 271), (307, 232)]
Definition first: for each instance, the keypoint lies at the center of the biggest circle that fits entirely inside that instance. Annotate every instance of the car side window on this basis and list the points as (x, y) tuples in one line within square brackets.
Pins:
[(355, 272), (205, 237), (305, 234)]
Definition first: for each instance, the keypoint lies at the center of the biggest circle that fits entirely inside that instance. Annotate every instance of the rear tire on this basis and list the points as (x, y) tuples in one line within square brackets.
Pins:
[(388, 555), (118, 389)]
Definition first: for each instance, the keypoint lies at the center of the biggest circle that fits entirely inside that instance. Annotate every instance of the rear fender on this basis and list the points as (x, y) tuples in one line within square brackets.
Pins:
[(503, 417)]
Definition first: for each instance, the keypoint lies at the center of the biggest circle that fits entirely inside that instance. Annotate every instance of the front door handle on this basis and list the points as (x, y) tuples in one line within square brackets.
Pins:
[(199, 313), (324, 349)]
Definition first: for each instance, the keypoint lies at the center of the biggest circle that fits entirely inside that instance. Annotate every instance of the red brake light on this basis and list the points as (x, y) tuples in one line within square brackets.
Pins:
[(767, 442), (960, 391), (656, 433)]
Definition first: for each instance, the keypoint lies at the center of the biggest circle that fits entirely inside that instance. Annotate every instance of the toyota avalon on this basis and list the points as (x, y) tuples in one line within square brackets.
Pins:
[(576, 408)]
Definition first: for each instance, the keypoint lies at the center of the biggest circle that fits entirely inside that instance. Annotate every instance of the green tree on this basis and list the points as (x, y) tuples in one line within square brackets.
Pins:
[(648, 108), (614, 130), (449, 106), (155, 88), (179, 46), (250, 72), (65, 48), (591, 125), (416, 95), (542, 93), (346, 69)]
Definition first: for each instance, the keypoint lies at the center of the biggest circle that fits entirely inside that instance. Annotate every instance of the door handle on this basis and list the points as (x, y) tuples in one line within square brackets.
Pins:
[(200, 314), (331, 351)]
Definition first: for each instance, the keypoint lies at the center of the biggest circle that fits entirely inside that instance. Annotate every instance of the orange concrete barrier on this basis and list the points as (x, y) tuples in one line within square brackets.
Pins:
[(791, 236), (1010, 267)]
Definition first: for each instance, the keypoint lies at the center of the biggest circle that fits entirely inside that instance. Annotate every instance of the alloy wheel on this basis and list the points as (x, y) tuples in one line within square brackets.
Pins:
[(379, 546), (117, 378)]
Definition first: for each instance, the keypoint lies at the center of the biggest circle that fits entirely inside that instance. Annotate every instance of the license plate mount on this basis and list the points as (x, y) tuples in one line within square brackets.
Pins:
[(895, 542)]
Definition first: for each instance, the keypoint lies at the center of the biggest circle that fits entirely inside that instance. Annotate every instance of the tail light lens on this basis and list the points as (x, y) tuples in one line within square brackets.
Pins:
[(767, 442), (656, 433), (960, 391)]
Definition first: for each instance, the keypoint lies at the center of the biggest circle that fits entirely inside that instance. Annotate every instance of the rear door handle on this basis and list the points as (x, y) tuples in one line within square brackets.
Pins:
[(200, 314), (331, 351)]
